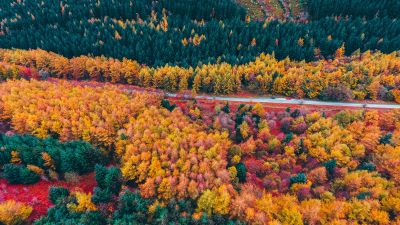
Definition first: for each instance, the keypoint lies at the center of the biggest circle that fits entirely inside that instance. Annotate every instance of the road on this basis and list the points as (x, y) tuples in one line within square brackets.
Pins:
[(270, 100), (292, 101)]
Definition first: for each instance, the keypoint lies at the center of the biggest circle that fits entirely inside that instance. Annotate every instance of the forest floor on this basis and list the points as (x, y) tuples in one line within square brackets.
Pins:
[(36, 195)]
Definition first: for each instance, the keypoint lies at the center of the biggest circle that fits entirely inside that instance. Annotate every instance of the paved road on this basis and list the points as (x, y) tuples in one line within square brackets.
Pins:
[(270, 100), (293, 101)]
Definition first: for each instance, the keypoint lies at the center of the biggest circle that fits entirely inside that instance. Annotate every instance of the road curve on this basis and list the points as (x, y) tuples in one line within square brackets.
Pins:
[(291, 101)]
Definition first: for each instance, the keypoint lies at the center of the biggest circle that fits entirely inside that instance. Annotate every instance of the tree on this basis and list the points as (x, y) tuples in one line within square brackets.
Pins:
[(57, 194), (215, 201), (14, 213), (241, 172)]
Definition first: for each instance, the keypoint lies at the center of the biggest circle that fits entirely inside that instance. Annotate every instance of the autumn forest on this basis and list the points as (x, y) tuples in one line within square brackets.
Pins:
[(111, 112)]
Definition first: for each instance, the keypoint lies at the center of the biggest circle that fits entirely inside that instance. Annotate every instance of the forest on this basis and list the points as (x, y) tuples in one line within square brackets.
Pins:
[(244, 163), (367, 76), (164, 33), (111, 112), (319, 9)]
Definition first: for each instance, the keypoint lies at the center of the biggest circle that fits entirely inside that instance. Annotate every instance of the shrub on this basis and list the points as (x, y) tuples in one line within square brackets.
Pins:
[(57, 193), (18, 174), (14, 213)]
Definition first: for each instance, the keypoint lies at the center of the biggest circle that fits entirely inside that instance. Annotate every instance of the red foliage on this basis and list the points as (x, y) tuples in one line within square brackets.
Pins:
[(255, 166), (36, 195)]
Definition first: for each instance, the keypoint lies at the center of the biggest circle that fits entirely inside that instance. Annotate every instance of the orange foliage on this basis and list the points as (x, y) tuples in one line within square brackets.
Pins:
[(171, 157), (73, 112)]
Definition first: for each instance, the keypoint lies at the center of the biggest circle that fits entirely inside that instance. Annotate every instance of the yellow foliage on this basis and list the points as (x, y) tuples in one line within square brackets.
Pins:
[(48, 161), (84, 203), (340, 52), (244, 129), (183, 156), (326, 140), (215, 201), (235, 159), (14, 213), (258, 110), (35, 169), (73, 112), (396, 95), (15, 157), (292, 78)]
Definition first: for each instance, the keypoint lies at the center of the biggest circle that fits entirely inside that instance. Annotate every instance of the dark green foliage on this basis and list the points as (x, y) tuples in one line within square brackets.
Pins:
[(226, 108), (386, 139), (300, 178), (100, 175), (109, 178), (75, 156), (101, 195), (367, 166), (288, 138), (19, 174), (55, 215), (330, 167), (79, 157), (58, 193), (60, 215), (301, 148), (296, 113), (364, 195), (166, 104), (241, 172), (238, 135), (132, 209), (113, 180), (357, 8), (109, 183), (81, 35), (180, 212)]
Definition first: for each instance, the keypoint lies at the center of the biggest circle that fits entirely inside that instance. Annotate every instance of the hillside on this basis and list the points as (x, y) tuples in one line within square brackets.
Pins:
[(199, 112)]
